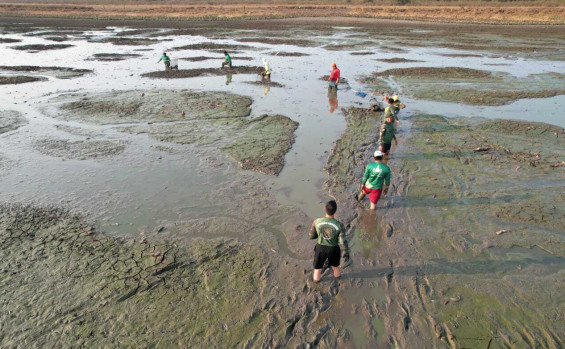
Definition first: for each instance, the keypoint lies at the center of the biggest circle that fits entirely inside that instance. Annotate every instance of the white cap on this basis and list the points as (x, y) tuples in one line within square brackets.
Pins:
[(378, 153)]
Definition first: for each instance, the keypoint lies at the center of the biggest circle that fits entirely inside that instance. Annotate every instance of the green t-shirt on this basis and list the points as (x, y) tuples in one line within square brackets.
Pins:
[(375, 175), (390, 110), (329, 232), (396, 106), (228, 58), (387, 132), (165, 59)]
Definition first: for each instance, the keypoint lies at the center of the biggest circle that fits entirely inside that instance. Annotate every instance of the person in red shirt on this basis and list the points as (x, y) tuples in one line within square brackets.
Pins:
[(334, 77)]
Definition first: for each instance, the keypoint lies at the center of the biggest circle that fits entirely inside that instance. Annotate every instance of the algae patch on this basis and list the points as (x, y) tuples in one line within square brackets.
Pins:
[(151, 106), (11, 120), (79, 150), (263, 146)]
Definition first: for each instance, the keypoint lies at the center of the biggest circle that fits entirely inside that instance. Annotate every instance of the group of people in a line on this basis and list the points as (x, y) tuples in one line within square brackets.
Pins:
[(265, 74), (329, 232)]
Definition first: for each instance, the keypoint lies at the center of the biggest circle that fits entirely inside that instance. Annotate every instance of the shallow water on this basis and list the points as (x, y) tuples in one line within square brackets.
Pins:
[(147, 187), (303, 98)]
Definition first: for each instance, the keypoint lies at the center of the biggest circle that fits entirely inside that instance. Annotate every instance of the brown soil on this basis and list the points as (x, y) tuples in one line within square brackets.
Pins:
[(214, 46), (437, 73), (19, 79), (128, 41), (190, 73), (40, 47), (459, 55), (397, 60), (280, 41), (289, 54), (8, 41), (204, 58), (266, 83), (57, 38), (474, 13), (364, 53), (111, 57)]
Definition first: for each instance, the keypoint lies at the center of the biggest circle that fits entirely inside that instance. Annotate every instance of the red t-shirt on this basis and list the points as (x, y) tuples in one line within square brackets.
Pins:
[(334, 75)]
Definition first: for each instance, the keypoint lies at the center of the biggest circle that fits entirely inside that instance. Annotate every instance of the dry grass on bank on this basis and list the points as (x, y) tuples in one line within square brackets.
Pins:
[(478, 12)]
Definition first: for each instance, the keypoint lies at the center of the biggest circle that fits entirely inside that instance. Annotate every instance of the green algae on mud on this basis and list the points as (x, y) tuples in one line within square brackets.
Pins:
[(469, 86), (11, 120), (190, 73), (65, 283), (461, 181), (41, 47), (79, 150), (263, 146), (112, 57), (19, 79), (150, 106), (258, 144), (57, 72)]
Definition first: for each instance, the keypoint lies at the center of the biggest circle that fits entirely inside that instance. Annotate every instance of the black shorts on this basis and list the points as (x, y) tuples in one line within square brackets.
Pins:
[(331, 253), (386, 147)]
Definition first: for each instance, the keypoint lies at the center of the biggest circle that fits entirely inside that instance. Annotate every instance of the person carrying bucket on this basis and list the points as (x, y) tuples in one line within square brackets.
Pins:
[(267, 72), (334, 77), (165, 60)]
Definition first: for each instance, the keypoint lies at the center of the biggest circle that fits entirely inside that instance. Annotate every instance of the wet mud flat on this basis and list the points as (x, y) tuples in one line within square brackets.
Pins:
[(41, 47), (476, 219), (18, 79), (112, 57), (468, 86), (57, 72), (87, 285), (11, 120), (79, 150), (190, 73)]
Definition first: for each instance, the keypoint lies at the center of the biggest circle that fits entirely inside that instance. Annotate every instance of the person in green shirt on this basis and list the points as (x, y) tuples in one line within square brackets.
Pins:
[(227, 60), (165, 60), (388, 133), (396, 103), (390, 110), (330, 235), (376, 180)]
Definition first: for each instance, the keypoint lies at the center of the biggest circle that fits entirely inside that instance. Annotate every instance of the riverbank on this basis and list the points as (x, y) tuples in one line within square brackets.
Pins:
[(473, 13)]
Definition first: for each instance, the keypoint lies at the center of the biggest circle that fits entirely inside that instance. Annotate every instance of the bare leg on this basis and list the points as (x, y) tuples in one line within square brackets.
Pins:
[(373, 206), (337, 272), (317, 275)]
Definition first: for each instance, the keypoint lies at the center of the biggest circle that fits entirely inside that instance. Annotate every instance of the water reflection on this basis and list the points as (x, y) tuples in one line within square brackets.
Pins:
[(332, 100), (228, 78)]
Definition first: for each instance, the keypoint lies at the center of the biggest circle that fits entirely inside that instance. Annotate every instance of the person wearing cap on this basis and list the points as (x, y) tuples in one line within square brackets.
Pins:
[(376, 180), (397, 104), (227, 60), (387, 134), (334, 77), (331, 240), (165, 60), (267, 72), (390, 110)]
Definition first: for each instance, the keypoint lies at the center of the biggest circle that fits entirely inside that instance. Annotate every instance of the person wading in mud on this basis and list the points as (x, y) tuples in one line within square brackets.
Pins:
[(227, 60), (165, 60), (330, 235), (375, 181), (396, 104), (334, 77), (390, 110), (387, 135), (266, 73)]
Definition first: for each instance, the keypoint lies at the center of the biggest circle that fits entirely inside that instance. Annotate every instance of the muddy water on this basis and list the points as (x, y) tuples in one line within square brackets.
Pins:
[(155, 186)]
